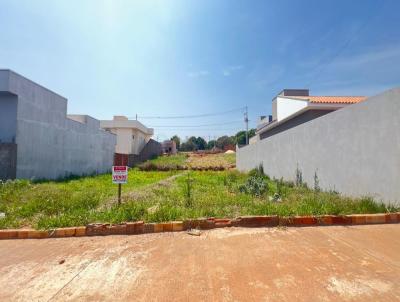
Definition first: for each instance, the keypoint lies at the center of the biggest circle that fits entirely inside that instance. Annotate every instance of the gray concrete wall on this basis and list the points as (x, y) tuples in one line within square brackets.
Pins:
[(297, 120), (8, 117), (8, 160), (354, 150), (151, 149), (49, 144)]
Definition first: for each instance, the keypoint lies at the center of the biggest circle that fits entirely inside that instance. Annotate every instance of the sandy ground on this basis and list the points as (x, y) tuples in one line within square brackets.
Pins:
[(358, 263)]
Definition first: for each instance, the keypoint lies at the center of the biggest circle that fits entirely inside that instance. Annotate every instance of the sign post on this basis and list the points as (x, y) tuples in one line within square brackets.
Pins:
[(119, 193), (119, 176)]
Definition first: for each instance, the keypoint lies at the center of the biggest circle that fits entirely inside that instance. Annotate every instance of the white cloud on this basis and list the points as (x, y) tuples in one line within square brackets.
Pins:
[(196, 74), (262, 77), (231, 69), (373, 56), (236, 67)]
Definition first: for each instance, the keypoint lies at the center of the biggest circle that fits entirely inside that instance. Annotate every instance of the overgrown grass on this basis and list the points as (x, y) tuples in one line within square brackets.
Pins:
[(149, 197), (70, 202), (230, 158), (176, 159), (217, 194)]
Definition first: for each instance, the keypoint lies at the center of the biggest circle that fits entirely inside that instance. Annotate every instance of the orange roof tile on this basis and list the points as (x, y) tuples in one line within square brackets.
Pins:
[(333, 99)]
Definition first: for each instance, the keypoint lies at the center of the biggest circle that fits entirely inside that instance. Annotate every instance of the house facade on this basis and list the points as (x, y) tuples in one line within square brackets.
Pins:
[(169, 147), (293, 107), (132, 135), (134, 141), (39, 140)]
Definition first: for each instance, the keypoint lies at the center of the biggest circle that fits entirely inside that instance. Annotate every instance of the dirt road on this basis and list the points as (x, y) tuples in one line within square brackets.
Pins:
[(358, 263)]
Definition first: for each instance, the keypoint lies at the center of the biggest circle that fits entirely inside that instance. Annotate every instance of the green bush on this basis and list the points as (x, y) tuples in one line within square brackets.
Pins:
[(259, 171), (255, 185)]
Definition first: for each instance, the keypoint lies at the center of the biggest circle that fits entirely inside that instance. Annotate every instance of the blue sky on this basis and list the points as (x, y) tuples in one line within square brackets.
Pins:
[(190, 57)]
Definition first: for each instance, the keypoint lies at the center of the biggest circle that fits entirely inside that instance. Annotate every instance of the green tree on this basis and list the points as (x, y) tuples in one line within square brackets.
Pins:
[(225, 141), (240, 137), (201, 144), (177, 141), (252, 132), (183, 147), (191, 144), (211, 144)]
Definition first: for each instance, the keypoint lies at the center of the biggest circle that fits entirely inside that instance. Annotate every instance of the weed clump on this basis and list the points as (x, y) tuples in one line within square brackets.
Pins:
[(299, 177), (317, 188), (150, 166), (188, 191), (259, 172), (255, 185)]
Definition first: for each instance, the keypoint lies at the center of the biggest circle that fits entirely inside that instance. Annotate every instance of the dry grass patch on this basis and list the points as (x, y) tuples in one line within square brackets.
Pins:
[(190, 161), (210, 161)]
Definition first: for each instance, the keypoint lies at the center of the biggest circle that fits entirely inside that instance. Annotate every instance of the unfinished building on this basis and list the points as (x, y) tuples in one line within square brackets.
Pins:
[(39, 140)]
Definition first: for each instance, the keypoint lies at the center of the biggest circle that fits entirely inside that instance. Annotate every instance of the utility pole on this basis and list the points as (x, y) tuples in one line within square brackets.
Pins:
[(246, 120), (136, 116)]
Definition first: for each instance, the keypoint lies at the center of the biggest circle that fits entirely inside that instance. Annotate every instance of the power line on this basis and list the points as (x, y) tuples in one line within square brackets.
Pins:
[(217, 129), (191, 116), (194, 126), (207, 129)]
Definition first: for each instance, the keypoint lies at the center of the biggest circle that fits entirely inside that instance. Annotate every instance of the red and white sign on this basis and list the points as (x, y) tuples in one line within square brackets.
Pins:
[(119, 174)]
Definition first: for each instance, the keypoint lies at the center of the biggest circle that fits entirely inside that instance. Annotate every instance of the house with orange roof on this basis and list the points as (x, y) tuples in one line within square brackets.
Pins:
[(292, 107)]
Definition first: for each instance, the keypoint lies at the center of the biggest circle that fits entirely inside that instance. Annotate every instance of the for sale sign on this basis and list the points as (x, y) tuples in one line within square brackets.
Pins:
[(120, 174)]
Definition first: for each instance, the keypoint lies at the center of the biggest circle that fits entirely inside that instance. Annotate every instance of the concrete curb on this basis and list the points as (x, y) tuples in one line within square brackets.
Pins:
[(139, 227)]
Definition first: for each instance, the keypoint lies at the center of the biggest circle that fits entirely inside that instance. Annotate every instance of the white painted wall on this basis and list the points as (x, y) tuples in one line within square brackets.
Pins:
[(254, 139), (132, 135), (284, 107), (124, 140), (139, 141)]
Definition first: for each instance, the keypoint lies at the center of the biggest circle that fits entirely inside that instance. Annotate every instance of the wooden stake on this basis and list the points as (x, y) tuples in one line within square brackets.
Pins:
[(119, 194)]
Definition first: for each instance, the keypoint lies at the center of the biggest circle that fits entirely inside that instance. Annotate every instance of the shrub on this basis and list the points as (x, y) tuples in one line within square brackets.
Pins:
[(259, 171), (230, 181), (289, 184), (255, 185), (279, 186), (147, 166)]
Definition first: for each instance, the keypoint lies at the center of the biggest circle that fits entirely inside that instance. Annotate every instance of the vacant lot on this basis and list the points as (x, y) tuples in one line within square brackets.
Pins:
[(66, 203), (213, 160), (166, 196), (198, 161)]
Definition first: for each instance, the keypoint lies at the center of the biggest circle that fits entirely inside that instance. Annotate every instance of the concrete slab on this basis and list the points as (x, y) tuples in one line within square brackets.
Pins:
[(357, 263)]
